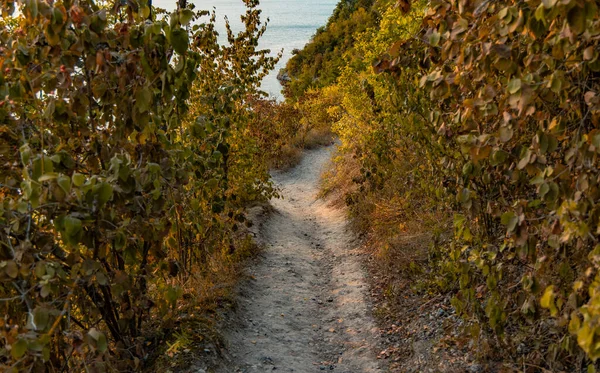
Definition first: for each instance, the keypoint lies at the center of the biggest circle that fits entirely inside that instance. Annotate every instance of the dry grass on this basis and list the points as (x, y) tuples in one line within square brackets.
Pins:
[(318, 137), (289, 155), (399, 225), (192, 340), (337, 181)]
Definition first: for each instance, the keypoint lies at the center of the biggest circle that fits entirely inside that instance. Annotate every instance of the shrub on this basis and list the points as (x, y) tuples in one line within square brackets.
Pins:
[(111, 187)]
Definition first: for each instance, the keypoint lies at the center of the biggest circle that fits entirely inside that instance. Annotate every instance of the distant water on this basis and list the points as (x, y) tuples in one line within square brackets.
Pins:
[(291, 25)]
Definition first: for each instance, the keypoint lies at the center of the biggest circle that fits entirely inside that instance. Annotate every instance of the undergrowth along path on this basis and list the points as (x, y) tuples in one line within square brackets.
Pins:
[(304, 307)]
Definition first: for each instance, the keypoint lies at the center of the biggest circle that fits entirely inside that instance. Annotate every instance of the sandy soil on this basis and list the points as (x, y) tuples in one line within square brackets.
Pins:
[(304, 307)]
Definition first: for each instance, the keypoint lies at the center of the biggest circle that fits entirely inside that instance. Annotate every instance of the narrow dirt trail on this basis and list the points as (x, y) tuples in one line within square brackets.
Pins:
[(304, 308)]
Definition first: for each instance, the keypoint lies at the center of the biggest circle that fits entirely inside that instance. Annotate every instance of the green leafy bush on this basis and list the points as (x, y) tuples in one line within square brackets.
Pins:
[(514, 89), (111, 187), (319, 63), (485, 114)]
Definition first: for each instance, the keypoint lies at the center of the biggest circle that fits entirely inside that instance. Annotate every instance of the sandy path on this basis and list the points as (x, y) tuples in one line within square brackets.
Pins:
[(304, 308)]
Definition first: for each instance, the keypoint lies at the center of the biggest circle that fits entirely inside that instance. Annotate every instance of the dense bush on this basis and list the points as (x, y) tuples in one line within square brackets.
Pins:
[(276, 126), (383, 135), (486, 114), (319, 63), (111, 188), (284, 129), (515, 86)]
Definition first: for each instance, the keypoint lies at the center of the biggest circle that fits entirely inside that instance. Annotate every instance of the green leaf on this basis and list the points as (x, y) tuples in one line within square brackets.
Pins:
[(48, 164), (100, 338), (543, 142), (72, 226), (145, 12), (185, 16), (576, 19), (544, 189), (535, 203), (467, 169), (585, 337), (540, 13), (514, 86), (31, 9), (537, 180), (25, 151), (506, 134), (45, 291), (41, 318), (143, 99), (596, 141), (510, 220), (434, 39), (48, 176), (78, 179), (525, 160), (120, 240), (503, 64), (552, 144), (101, 278), (40, 269), (547, 300), (574, 324), (99, 87), (104, 192), (467, 235), (23, 207), (549, 3), (464, 195), (49, 109), (503, 13), (212, 184), (180, 40), (154, 168), (459, 221), (556, 83), (64, 182), (94, 333), (498, 157), (171, 295), (11, 269), (552, 194), (18, 349), (36, 345)]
